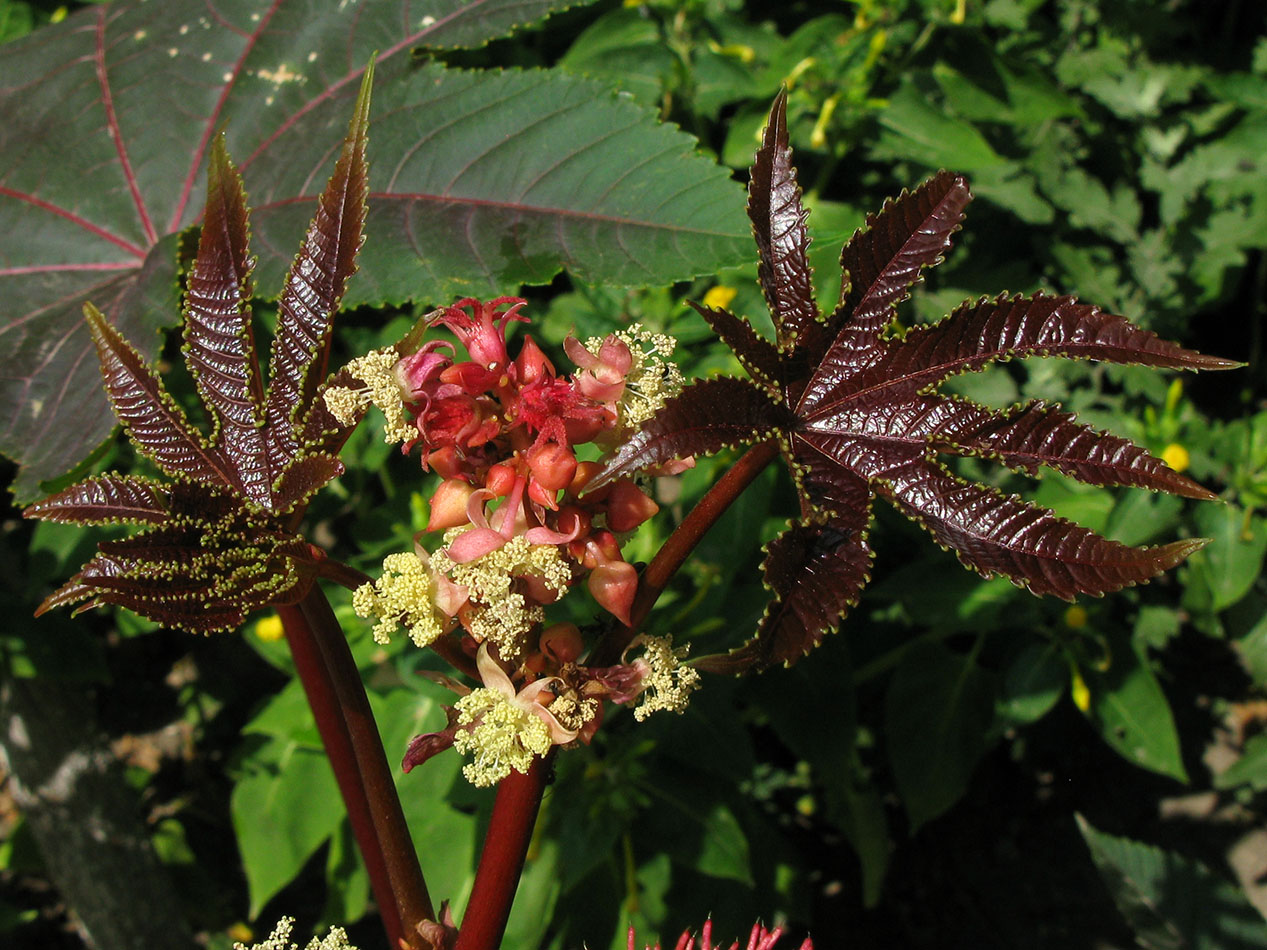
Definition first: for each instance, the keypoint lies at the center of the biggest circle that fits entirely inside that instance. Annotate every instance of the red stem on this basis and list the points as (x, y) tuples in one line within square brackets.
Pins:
[(502, 861), (341, 709), (518, 795), (680, 544)]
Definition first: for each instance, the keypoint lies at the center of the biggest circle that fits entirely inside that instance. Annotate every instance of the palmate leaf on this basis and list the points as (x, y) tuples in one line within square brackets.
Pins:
[(482, 179), (220, 538), (856, 414)]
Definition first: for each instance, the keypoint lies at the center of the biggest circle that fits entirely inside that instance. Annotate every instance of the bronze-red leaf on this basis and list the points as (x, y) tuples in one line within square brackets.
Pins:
[(106, 499), (778, 222), (706, 417), (149, 413), (993, 533), (315, 284), (219, 343)]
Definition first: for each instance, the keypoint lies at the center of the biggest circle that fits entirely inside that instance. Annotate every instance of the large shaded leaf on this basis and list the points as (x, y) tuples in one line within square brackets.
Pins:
[(481, 181), (1171, 902)]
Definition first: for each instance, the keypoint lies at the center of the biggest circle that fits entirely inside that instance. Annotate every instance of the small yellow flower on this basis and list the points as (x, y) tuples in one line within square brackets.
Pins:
[(667, 684), (1176, 456), (719, 297), (404, 594), (269, 628), (1080, 692), (1076, 617)]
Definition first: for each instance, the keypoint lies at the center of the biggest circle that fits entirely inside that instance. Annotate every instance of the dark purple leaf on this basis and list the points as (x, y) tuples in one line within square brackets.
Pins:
[(149, 414), (857, 414), (106, 499), (816, 572), (706, 417), (315, 285), (219, 343), (778, 222), (883, 260), (993, 533), (1033, 435), (305, 477), (762, 360)]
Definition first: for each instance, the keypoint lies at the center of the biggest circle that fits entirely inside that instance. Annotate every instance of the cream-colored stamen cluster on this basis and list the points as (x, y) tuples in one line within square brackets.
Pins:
[(573, 711), (503, 736), (377, 370), (498, 612), (653, 378), (667, 684), (404, 594), (279, 939)]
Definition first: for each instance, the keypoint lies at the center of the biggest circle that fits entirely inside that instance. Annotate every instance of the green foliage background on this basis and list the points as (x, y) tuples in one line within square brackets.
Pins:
[(1116, 150)]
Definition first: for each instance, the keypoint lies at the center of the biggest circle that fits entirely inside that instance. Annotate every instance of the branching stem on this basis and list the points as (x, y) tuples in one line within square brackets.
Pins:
[(680, 544)]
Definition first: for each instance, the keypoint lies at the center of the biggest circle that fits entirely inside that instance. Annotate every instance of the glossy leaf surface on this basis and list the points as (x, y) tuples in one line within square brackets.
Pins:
[(856, 413)]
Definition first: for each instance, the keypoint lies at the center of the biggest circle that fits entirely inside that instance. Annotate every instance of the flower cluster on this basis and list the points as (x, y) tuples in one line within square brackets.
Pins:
[(520, 530), (279, 939)]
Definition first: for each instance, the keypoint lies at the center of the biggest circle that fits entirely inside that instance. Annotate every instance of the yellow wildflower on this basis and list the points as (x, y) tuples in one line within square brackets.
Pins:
[(1176, 456), (719, 297), (269, 628)]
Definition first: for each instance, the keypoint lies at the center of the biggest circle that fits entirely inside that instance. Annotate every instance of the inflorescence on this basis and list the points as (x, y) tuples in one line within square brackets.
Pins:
[(519, 529)]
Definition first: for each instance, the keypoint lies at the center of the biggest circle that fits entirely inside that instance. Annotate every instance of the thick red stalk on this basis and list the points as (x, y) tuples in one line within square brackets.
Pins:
[(502, 861), (341, 709), (680, 544)]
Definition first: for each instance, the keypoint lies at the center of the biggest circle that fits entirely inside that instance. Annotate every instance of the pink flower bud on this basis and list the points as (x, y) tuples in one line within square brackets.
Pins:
[(613, 585), (602, 377), (446, 461), (500, 480), (607, 544), (628, 507), (415, 371), (532, 364), (552, 465), (448, 504)]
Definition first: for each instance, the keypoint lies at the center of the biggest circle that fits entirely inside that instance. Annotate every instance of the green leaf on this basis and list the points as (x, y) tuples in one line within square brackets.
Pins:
[(924, 133), (479, 180), (1171, 902), (1223, 572), (284, 807), (938, 714), (1131, 712), (1250, 769), (724, 847), (624, 48), (1032, 685)]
